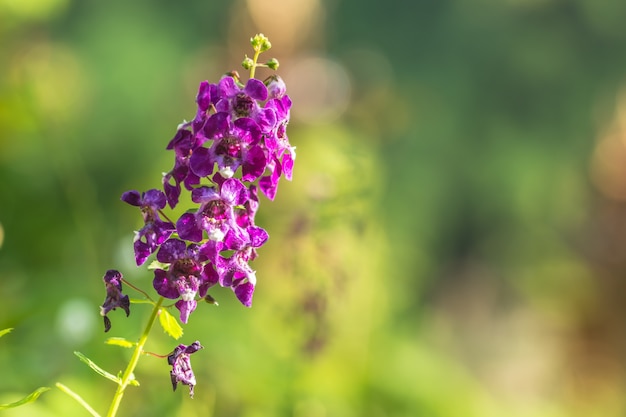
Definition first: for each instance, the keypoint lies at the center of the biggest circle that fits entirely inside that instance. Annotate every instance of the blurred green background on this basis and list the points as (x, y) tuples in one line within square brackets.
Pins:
[(453, 243)]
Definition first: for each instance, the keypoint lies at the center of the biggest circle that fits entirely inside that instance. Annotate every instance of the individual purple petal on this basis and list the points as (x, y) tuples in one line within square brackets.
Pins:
[(171, 250), (187, 228), (217, 126), (186, 308), (201, 162), (247, 129), (226, 87), (288, 160), (244, 293), (181, 142), (234, 192), (209, 273), (204, 194), (255, 89), (142, 251), (204, 96), (132, 197), (211, 249), (235, 239), (266, 119), (269, 183), (258, 236), (254, 164), (163, 286), (155, 199)]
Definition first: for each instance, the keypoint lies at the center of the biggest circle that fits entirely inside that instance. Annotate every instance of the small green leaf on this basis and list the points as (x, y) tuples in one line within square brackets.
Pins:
[(132, 381), (97, 369), (5, 331), (28, 399), (78, 399), (119, 341), (158, 265), (170, 324)]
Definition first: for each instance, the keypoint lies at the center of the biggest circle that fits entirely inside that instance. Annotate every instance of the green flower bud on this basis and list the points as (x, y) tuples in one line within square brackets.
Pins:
[(260, 42), (210, 299), (272, 64), (247, 63)]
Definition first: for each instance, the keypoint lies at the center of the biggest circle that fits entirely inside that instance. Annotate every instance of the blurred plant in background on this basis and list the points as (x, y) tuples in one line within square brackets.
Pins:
[(455, 234)]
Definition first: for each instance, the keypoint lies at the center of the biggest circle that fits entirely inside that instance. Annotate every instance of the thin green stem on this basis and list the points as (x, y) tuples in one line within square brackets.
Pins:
[(137, 289), (128, 373), (257, 52)]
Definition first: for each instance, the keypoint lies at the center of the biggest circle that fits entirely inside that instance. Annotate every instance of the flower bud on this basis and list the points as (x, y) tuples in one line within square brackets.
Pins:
[(272, 64), (247, 63), (276, 87)]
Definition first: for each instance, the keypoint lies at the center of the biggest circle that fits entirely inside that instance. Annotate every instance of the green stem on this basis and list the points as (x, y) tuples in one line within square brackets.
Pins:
[(257, 52), (126, 377)]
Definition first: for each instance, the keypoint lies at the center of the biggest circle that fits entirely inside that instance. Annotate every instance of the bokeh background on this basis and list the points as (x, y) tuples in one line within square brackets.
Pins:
[(453, 243)]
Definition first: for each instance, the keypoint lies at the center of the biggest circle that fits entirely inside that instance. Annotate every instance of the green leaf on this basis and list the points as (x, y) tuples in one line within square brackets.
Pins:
[(158, 265), (28, 399), (78, 399), (132, 381), (170, 324), (119, 341), (5, 331), (96, 368)]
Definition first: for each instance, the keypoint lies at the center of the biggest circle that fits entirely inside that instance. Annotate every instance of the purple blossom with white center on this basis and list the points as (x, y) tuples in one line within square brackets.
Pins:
[(244, 102), (155, 231), (235, 144), (215, 216), (115, 298), (188, 275), (181, 366), (235, 272)]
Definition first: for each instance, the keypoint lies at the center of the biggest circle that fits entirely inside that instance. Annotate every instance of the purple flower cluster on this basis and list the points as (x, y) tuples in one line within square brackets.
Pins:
[(235, 146)]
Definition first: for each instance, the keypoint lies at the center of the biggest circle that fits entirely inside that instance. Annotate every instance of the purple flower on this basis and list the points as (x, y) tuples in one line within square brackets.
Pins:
[(235, 272), (155, 231), (215, 214), (277, 141), (235, 144), (181, 365), (188, 275), (245, 215), (206, 98), (183, 144), (281, 155), (269, 183), (115, 298)]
